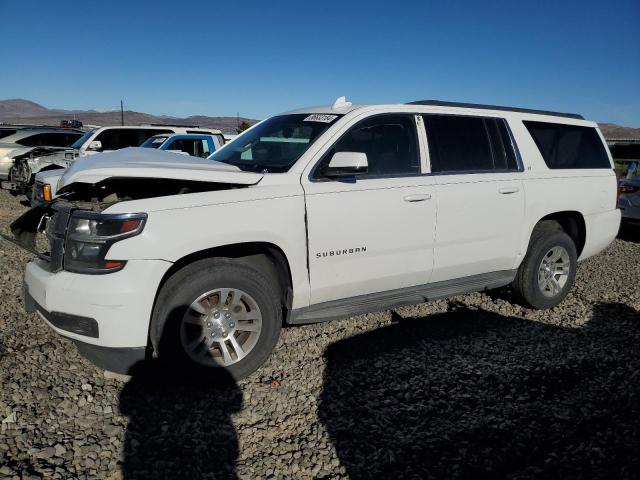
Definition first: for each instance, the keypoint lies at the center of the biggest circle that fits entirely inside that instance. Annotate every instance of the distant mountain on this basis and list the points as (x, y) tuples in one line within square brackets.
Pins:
[(611, 130), (21, 108), (25, 111)]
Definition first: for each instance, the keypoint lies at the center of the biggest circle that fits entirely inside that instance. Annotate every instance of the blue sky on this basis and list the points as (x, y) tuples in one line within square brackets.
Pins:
[(260, 58)]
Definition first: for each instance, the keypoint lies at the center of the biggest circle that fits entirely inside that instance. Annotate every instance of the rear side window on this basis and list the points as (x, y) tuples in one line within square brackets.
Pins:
[(31, 140), (60, 139), (51, 139), (469, 144), (117, 138), (568, 146)]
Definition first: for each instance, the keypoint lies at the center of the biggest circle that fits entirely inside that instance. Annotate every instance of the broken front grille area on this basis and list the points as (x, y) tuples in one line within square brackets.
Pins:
[(55, 232), (42, 231)]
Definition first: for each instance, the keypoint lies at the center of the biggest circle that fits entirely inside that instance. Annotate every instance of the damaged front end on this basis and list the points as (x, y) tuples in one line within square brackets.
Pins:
[(34, 232), (52, 231), (27, 163), (66, 236)]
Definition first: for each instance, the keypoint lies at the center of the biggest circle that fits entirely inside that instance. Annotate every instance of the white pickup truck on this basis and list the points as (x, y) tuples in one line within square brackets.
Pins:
[(312, 215)]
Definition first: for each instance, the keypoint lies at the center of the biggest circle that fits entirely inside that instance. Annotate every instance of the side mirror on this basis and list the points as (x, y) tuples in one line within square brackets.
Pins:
[(347, 164), (96, 145)]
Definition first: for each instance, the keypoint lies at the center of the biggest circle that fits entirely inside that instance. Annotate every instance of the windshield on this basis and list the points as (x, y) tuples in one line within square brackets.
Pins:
[(154, 142), (275, 144), (78, 143)]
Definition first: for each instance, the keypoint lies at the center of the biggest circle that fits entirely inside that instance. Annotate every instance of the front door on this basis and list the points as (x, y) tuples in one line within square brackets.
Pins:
[(374, 232)]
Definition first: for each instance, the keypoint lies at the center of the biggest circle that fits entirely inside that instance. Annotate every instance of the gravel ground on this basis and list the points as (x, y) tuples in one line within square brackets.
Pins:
[(471, 387)]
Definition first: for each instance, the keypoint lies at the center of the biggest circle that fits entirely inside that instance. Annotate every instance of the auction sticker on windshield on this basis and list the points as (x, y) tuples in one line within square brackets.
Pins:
[(320, 117)]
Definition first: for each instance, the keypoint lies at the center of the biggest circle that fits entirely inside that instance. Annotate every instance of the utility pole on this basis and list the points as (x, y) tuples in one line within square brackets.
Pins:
[(238, 122), (121, 113)]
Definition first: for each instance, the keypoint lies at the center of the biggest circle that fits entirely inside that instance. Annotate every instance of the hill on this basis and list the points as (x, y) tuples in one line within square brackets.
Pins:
[(25, 111), (611, 130)]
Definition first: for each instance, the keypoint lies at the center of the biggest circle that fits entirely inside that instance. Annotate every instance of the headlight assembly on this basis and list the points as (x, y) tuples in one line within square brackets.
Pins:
[(90, 235)]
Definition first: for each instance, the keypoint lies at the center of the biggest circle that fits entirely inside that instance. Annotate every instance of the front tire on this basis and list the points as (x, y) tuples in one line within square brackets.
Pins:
[(217, 317), (548, 270)]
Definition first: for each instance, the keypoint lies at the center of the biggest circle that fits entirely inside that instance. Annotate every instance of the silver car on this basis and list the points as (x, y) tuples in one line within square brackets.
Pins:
[(629, 200), (25, 139)]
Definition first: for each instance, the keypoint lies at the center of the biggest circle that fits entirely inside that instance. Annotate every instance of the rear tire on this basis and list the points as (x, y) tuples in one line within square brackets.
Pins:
[(548, 270), (196, 332)]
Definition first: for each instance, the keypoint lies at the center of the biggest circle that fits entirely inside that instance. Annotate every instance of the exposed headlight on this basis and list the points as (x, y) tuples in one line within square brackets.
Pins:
[(90, 235)]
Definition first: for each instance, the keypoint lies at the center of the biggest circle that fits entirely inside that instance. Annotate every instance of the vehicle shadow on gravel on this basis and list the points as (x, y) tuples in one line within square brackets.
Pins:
[(177, 428), (475, 394), (629, 233)]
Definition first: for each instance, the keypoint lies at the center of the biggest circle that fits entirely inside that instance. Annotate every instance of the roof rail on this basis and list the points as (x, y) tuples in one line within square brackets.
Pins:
[(439, 103)]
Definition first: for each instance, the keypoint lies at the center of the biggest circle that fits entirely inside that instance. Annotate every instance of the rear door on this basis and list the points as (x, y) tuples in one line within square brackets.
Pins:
[(480, 195), (374, 232)]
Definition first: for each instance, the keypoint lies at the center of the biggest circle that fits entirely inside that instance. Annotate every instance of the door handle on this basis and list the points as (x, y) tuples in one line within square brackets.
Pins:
[(420, 197), (507, 190)]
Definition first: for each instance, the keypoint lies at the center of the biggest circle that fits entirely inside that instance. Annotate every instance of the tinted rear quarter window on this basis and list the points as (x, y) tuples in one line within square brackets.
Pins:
[(568, 146)]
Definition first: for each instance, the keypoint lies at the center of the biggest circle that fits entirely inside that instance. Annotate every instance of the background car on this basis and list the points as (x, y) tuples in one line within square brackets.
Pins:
[(24, 139), (629, 200), (44, 187), (27, 163), (195, 145)]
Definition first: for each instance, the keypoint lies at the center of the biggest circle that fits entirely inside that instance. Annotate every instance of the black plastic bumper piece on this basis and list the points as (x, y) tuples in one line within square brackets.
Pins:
[(85, 326), (118, 360)]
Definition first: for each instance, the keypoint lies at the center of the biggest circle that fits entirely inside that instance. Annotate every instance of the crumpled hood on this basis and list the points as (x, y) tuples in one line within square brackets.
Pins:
[(134, 162)]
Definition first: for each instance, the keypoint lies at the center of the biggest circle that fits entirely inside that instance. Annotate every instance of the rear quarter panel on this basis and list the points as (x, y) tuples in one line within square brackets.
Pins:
[(590, 192)]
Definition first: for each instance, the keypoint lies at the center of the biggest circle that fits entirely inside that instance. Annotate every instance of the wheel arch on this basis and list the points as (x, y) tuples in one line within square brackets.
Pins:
[(571, 222), (263, 256)]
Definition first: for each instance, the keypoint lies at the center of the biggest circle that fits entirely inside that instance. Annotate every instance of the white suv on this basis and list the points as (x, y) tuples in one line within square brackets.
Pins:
[(312, 215)]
